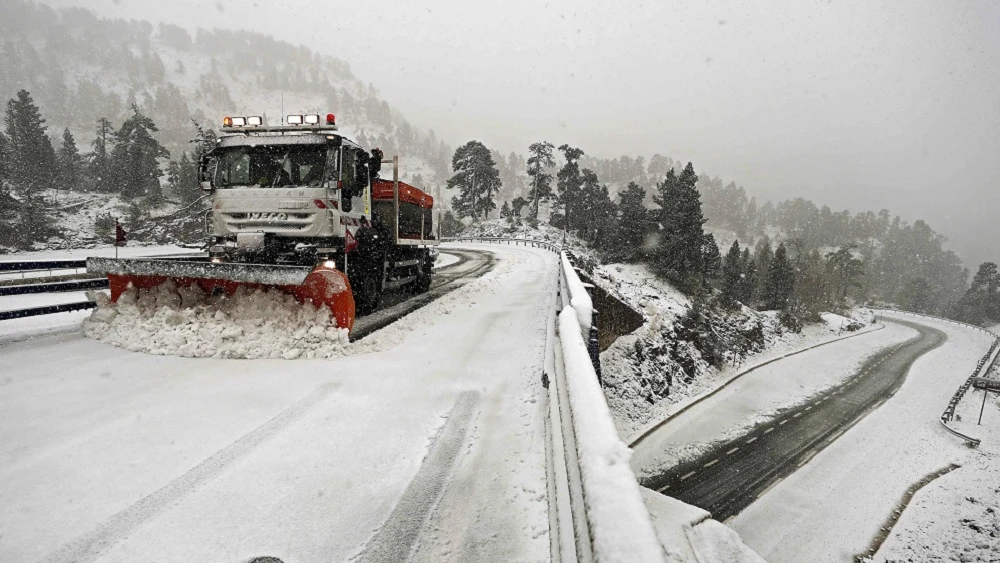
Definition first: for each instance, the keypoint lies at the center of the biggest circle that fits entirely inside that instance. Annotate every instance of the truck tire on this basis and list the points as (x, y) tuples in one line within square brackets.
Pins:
[(370, 285), (423, 282)]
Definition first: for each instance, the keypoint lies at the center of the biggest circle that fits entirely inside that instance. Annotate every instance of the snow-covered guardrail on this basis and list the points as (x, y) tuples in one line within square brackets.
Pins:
[(508, 240), (601, 500), (17, 287), (24, 266), (986, 362)]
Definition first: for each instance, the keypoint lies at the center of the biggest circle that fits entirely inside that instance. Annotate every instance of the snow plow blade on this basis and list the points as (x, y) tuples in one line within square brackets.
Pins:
[(323, 285)]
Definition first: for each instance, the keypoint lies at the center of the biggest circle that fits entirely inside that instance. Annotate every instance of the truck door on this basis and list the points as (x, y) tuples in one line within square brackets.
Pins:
[(355, 180)]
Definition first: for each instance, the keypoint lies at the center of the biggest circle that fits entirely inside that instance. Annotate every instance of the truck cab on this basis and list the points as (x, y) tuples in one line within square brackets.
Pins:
[(302, 194)]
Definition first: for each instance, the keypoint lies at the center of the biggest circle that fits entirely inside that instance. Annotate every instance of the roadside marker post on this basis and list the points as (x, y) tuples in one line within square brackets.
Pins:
[(987, 385)]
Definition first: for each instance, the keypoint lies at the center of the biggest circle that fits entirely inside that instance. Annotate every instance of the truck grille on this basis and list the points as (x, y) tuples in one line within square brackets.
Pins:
[(272, 222)]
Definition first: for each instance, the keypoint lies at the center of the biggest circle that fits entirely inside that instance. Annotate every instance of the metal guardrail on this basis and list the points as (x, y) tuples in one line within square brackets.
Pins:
[(579, 515), (46, 310), (41, 265), (54, 287), (509, 240)]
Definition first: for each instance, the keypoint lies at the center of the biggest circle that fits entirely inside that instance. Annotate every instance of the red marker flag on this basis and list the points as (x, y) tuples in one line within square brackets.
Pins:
[(121, 237), (350, 243)]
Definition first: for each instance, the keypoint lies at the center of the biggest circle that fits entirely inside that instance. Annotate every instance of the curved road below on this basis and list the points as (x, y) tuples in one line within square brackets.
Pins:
[(731, 476)]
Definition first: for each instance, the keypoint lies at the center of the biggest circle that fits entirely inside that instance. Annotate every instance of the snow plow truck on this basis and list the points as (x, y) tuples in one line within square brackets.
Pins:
[(300, 208)]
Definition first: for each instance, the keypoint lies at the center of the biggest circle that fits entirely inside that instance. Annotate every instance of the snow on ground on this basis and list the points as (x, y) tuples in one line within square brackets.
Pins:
[(23, 328), (831, 508), (757, 397), (444, 260), (688, 533), (957, 517), (635, 409), (138, 457), (184, 321)]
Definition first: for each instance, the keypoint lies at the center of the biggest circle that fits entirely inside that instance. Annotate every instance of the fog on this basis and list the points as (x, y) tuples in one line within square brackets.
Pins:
[(854, 104)]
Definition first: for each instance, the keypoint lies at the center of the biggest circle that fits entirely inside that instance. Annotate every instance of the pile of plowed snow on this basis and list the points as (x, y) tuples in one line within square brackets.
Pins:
[(184, 321)]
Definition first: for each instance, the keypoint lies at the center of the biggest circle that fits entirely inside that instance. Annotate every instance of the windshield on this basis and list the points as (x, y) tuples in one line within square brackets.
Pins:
[(273, 166)]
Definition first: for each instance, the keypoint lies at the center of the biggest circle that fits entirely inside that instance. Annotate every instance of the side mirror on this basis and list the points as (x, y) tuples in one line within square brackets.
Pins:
[(375, 162)]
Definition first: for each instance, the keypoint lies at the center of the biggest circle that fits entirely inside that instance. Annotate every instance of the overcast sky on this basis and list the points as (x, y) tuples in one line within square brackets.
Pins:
[(856, 104)]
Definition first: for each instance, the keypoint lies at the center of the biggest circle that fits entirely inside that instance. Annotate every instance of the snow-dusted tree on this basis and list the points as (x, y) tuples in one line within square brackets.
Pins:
[(732, 275), (748, 278), (539, 162), (711, 259), (4, 144), (70, 163), (134, 158), (517, 205), (780, 281), (679, 255), (633, 226), (477, 179), (100, 158), (505, 211), (568, 183), (31, 160)]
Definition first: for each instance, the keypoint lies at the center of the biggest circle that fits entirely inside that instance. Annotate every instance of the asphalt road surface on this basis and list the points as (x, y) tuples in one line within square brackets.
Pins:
[(734, 474)]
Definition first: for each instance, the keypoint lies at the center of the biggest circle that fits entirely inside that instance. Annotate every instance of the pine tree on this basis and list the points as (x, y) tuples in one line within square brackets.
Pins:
[(917, 295), (477, 179), (505, 211), (732, 275), (188, 180), (539, 161), (135, 158), (633, 225), (748, 278), (70, 163), (844, 272), (4, 155), (780, 281), (711, 259), (981, 303), (763, 256), (31, 160), (100, 159), (568, 183), (812, 286), (679, 256), (517, 205)]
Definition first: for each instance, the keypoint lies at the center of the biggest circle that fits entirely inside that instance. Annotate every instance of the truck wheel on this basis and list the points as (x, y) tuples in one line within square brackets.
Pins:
[(423, 281), (368, 289)]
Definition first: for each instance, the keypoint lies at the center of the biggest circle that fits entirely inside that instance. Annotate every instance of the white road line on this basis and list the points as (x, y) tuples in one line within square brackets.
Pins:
[(683, 477), (798, 414), (809, 407), (711, 463), (769, 430), (665, 487), (730, 452), (782, 422), (752, 440)]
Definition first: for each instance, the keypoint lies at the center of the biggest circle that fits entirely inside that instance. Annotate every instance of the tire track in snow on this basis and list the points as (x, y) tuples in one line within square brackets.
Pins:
[(90, 546), (395, 539)]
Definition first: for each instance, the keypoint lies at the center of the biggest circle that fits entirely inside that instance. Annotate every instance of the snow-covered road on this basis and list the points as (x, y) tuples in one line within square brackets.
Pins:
[(832, 508), (432, 445)]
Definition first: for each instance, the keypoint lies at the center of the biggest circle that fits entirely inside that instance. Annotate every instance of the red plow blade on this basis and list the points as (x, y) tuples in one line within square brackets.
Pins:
[(323, 285)]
